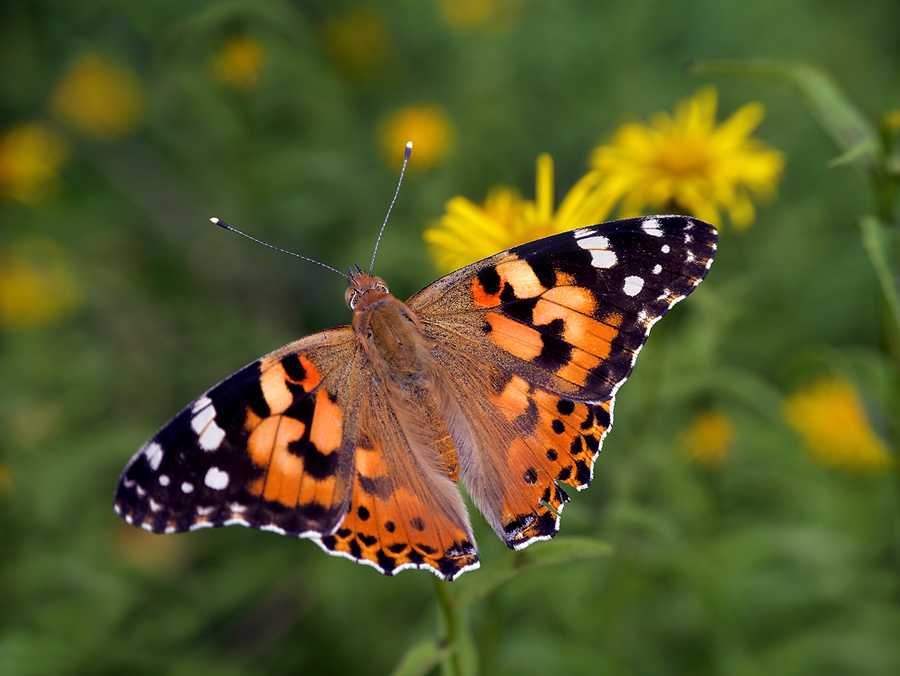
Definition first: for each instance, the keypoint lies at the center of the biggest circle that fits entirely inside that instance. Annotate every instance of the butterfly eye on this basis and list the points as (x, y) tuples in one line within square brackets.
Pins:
[(352, 298)]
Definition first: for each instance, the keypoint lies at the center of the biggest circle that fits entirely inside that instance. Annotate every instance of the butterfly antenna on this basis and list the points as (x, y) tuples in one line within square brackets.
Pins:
[(396, 192), (223, 224)]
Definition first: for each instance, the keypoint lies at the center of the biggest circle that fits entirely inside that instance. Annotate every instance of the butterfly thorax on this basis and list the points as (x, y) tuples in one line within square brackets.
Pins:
[(388, 330)]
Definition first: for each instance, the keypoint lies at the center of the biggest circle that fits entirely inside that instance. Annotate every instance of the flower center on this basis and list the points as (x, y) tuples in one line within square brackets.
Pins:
[(683, 157)]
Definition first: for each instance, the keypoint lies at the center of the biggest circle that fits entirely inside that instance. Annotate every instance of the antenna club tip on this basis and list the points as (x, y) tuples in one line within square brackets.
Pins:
[(409, 145)]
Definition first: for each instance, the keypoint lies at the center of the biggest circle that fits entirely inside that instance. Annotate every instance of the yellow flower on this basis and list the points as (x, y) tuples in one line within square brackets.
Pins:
[(830, 418), (357, 40), (891, 120), (468, 232), (98, 98), (239, 63), (426, 125), (473, 14), (36, 287), (709, 439), (31, 155), (687, 163)]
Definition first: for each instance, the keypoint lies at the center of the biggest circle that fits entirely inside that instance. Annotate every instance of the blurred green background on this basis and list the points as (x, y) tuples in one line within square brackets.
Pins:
[(126, 125)]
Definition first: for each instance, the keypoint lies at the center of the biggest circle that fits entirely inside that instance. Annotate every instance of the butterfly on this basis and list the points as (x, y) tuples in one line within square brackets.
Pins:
[(501, 375)]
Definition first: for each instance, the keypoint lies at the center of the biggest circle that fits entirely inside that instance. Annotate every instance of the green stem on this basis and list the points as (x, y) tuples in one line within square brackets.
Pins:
[(876, 242), (456, 634)]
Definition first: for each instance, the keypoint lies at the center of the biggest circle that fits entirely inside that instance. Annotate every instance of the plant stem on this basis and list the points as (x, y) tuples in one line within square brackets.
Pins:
[(456, 634)]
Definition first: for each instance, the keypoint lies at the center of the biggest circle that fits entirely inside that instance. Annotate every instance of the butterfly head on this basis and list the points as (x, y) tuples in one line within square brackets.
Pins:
[(365, 290)]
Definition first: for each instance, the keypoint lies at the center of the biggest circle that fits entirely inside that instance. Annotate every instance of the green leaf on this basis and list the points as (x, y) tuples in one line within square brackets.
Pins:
[(421, 658), (847, 126), (555, 552)]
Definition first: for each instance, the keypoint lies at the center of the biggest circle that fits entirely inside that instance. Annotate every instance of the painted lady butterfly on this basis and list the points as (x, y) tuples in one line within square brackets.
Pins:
[(501, 374)]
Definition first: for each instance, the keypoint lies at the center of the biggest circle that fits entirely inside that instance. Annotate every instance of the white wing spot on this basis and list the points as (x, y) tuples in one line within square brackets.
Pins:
[(163, 480), (210, 435), (665, 248), (202, 417), (601, 255), (651, 227), (154, 453), (216, 479), (657, 269), (633, 286), (187, 487), (154, 505)]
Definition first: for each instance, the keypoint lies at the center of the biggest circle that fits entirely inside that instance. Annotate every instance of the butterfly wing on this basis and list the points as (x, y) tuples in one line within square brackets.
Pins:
[(535, 342), (303, 442), (405, 512), (271, 447)]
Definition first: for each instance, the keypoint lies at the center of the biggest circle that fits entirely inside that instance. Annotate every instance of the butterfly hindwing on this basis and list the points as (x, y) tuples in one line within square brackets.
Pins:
[(556, 325), (271, 447), (403, 513)]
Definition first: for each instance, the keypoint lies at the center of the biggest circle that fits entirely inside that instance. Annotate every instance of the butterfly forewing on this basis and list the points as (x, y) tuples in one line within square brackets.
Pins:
[(271, 447)]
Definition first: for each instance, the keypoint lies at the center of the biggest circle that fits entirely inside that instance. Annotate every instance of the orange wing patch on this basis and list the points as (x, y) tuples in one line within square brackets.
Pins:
[(268, 446), (298, 448), (519, 340)]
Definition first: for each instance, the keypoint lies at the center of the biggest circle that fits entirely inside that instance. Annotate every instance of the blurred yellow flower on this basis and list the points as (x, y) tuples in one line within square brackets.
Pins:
[(240, 63), (468, 232), (473, 14), (830, 418), (709, 439), (687, 163), (426, 125), (357, 40), (99, 98), (892, 120), (31, 155), (36, 287)]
